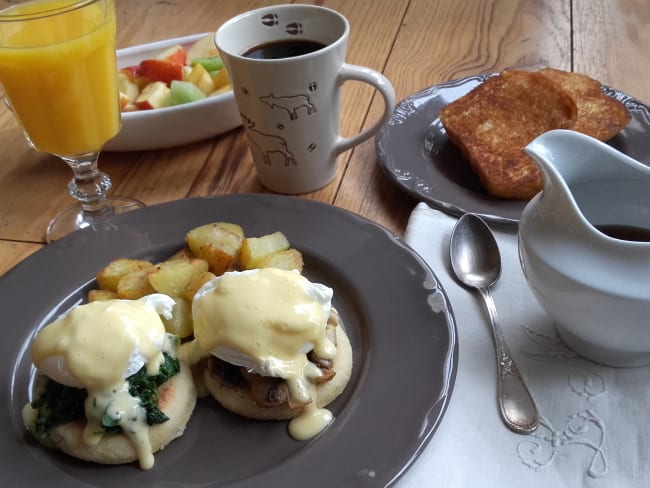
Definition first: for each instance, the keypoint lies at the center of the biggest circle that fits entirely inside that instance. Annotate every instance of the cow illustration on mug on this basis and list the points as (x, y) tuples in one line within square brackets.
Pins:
[(290, 104), (268, 144)]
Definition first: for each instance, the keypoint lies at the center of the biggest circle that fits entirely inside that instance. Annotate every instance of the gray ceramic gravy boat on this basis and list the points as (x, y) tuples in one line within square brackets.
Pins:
[(594, 286)]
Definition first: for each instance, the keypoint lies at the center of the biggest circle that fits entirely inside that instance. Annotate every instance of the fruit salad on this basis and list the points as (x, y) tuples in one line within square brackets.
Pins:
[(176, 76)]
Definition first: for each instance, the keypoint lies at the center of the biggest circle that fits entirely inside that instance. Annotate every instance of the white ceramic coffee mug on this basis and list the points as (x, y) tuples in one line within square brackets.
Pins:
[(290, 106)]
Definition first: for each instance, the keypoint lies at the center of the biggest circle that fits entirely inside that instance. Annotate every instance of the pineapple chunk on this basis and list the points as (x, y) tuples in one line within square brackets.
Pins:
[(200, 77)]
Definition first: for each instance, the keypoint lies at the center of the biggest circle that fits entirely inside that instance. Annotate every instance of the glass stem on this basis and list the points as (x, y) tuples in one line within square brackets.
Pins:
[(89, 186)]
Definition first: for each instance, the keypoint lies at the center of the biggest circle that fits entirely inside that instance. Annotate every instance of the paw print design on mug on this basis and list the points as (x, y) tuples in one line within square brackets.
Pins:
[(294, 28), (286, 65), (269, 20)]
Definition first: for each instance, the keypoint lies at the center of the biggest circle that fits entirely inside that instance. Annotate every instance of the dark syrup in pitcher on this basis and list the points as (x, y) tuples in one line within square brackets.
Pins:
[(625, 232), (283, 49)]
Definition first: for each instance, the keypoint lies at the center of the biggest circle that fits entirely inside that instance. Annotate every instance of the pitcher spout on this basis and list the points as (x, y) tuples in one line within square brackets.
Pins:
[(578, 158)]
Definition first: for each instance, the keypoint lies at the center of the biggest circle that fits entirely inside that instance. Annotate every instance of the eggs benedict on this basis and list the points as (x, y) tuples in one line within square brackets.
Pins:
[(110, 388), (275, 347)]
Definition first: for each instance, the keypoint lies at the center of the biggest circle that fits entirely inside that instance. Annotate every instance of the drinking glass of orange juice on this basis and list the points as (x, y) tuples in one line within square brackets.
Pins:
[(58, 73)]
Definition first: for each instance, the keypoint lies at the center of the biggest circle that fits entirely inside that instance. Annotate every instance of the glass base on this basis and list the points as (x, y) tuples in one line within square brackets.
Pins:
[(75, 218)]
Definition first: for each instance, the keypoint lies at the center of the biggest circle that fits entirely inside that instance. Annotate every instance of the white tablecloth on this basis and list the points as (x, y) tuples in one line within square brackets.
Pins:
[(595, 420)]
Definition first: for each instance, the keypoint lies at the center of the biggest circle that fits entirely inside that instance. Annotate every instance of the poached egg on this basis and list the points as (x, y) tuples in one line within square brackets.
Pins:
[(267, 321), (98, 344)]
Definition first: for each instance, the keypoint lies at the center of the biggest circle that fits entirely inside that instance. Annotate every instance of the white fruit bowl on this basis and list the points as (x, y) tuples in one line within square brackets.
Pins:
[(172, 126)]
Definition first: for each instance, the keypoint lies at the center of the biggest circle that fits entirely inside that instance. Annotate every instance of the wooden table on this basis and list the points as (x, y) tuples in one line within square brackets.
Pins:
[(415, 43)]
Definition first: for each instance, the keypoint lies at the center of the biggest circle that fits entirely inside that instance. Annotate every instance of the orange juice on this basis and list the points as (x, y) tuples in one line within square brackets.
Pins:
[(59, 73)]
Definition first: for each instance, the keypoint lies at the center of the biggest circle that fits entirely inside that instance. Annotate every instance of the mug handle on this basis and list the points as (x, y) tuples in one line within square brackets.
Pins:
[(350, 72)]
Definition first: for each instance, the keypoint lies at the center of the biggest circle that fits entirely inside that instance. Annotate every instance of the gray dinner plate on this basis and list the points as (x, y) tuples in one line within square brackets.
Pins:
[(413, 149), (397, 316)]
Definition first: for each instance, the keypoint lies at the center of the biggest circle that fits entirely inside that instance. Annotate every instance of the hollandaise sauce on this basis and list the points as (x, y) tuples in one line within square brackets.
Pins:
[(267, 321), (97, 346), (311, 420)]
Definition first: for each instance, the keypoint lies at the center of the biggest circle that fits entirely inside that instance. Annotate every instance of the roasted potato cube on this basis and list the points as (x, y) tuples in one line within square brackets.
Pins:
[(181, 321), (217, 245), (135, 285), (234, 228), (171, 277), (109, 277), (288, 259), (184, 254), (100, 295), (254, 249), (197, 282)]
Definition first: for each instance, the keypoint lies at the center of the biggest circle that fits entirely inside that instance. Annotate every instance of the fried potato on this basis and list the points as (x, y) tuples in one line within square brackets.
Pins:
[(254, 249), (230, 227), (135, 285), (197, 282), (181, 321), (288, 259), (109, 276), (184, 254), (171, 277), (210, 250), (216, 244), (99, 295)]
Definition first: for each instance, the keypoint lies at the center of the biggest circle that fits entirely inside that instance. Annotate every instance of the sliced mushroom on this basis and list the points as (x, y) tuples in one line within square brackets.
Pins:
[(229, 374), (269, 392), (327, 375)]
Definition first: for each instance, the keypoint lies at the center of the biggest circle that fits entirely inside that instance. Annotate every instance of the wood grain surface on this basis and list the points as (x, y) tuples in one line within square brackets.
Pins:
[(415, 43)]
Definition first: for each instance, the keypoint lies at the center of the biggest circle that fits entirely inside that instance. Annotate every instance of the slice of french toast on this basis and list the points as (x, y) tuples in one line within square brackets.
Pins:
[(493, 123), (599, 115)]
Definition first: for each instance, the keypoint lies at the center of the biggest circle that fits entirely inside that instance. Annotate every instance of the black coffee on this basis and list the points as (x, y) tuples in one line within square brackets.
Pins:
[(626, 232), (283, 49)]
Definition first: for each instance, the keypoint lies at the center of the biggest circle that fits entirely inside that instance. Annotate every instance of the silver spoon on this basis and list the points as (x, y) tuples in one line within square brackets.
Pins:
[(476, 262)]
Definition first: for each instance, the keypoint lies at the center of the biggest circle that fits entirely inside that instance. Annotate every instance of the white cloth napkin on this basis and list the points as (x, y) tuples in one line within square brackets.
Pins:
[(595, 427)]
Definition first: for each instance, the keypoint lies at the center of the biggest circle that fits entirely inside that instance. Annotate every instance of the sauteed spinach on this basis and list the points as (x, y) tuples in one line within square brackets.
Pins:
[(59, 404)]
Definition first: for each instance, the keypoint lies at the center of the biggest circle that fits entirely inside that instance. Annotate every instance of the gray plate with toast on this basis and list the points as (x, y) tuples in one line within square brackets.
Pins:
[(413, 149)]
